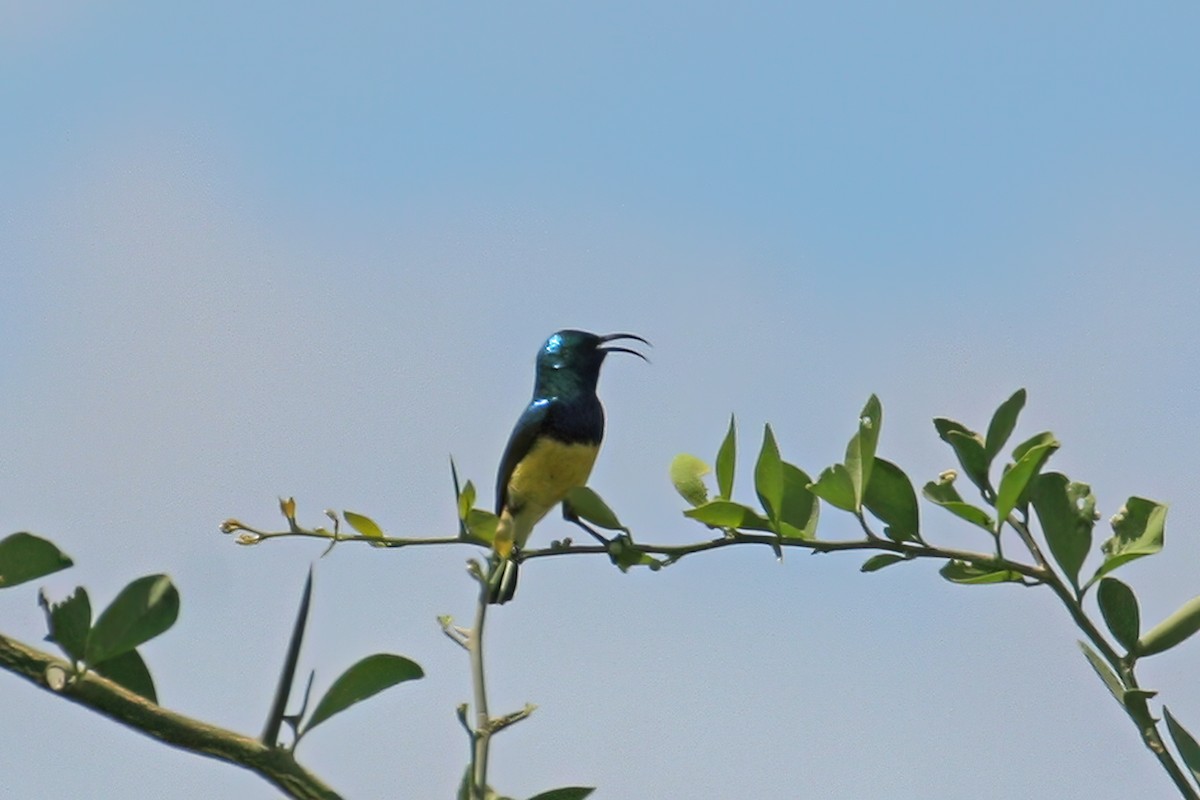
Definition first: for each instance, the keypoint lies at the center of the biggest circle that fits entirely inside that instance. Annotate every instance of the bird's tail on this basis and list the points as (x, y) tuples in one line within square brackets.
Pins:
[(502, 581)]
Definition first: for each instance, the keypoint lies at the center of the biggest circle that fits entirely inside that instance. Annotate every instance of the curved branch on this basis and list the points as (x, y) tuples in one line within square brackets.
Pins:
[(905, 549), (672, 552), (103, 696)]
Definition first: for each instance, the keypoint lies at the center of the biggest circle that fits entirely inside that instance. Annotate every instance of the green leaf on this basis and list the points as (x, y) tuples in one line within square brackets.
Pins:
[(860, 452), (968, 447), (1015, 480), (482, 524), (1119, 607), (566, 793), (687, 474), (1172, 630), (1037, 440), (945, 495), (799, 510), (1002, 425), (464, 786), (142, 610), (68, 622), (1066, 512), (891, 498), (728, 514), (726, 458), (965, 572), (129, 671), (875, 563), (1137, 531), (1105, 672), (368, 677), (623, 553), (768, 475), (1189, 751), (835, 487), (972, 514), (588, 505), (943, 490), (24, 557), (466, 502), (367, 526)]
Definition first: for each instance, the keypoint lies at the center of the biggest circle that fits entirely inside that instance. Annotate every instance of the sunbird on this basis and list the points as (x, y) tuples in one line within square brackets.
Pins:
[(552, 447)]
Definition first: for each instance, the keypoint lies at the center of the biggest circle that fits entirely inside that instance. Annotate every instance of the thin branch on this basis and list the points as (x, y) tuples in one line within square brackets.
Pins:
[(276, 765), (907, 549), (676, 552), (482, 737)]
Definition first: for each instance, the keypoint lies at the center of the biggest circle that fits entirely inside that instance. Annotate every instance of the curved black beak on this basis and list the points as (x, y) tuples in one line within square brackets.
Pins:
[(614, 336)]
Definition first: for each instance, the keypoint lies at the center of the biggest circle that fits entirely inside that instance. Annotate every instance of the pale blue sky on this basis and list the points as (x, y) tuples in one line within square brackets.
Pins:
[(287, 249)]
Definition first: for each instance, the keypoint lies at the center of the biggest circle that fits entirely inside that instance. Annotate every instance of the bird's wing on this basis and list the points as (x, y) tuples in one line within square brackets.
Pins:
[(524, 434)]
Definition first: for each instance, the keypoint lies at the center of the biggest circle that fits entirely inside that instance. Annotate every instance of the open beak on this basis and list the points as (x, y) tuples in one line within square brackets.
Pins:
[(614, 336)]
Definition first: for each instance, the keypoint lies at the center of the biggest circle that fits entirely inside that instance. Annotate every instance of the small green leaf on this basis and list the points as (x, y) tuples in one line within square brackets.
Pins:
[(623, 553), (24, 557), (142, 610), (860, 452), (945, 495), (968, 447), (875, 563), (588, 505), (943, 489), (967, 573), (68, 622), (726, 458), (799, 510), (566, 793), (482, 524), (1137, 531), (1066, 512), (835, 487), (1002, 425), (129, 671), (972, 514), (368, 677), (1105, 672), (1172, 630), (466, 502), (1189, 751), (464, 786), (1015, 480), (1119, 607), (728, 514), (891, 498), (687, 474), (367, 526), (768, 475), (1037, 440)]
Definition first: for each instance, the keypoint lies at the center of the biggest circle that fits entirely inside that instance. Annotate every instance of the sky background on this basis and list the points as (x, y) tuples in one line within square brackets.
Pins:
[(292, 249)]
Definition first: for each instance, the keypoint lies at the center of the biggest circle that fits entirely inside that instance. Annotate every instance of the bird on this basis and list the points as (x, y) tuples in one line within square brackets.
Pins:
[(552, 447)]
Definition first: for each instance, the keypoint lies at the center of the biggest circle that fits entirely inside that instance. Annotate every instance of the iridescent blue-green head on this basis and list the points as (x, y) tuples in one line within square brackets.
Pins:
[(570, 361)]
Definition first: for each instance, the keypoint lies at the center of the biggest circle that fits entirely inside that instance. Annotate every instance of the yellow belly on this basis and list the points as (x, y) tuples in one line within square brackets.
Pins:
[(540, 482)]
